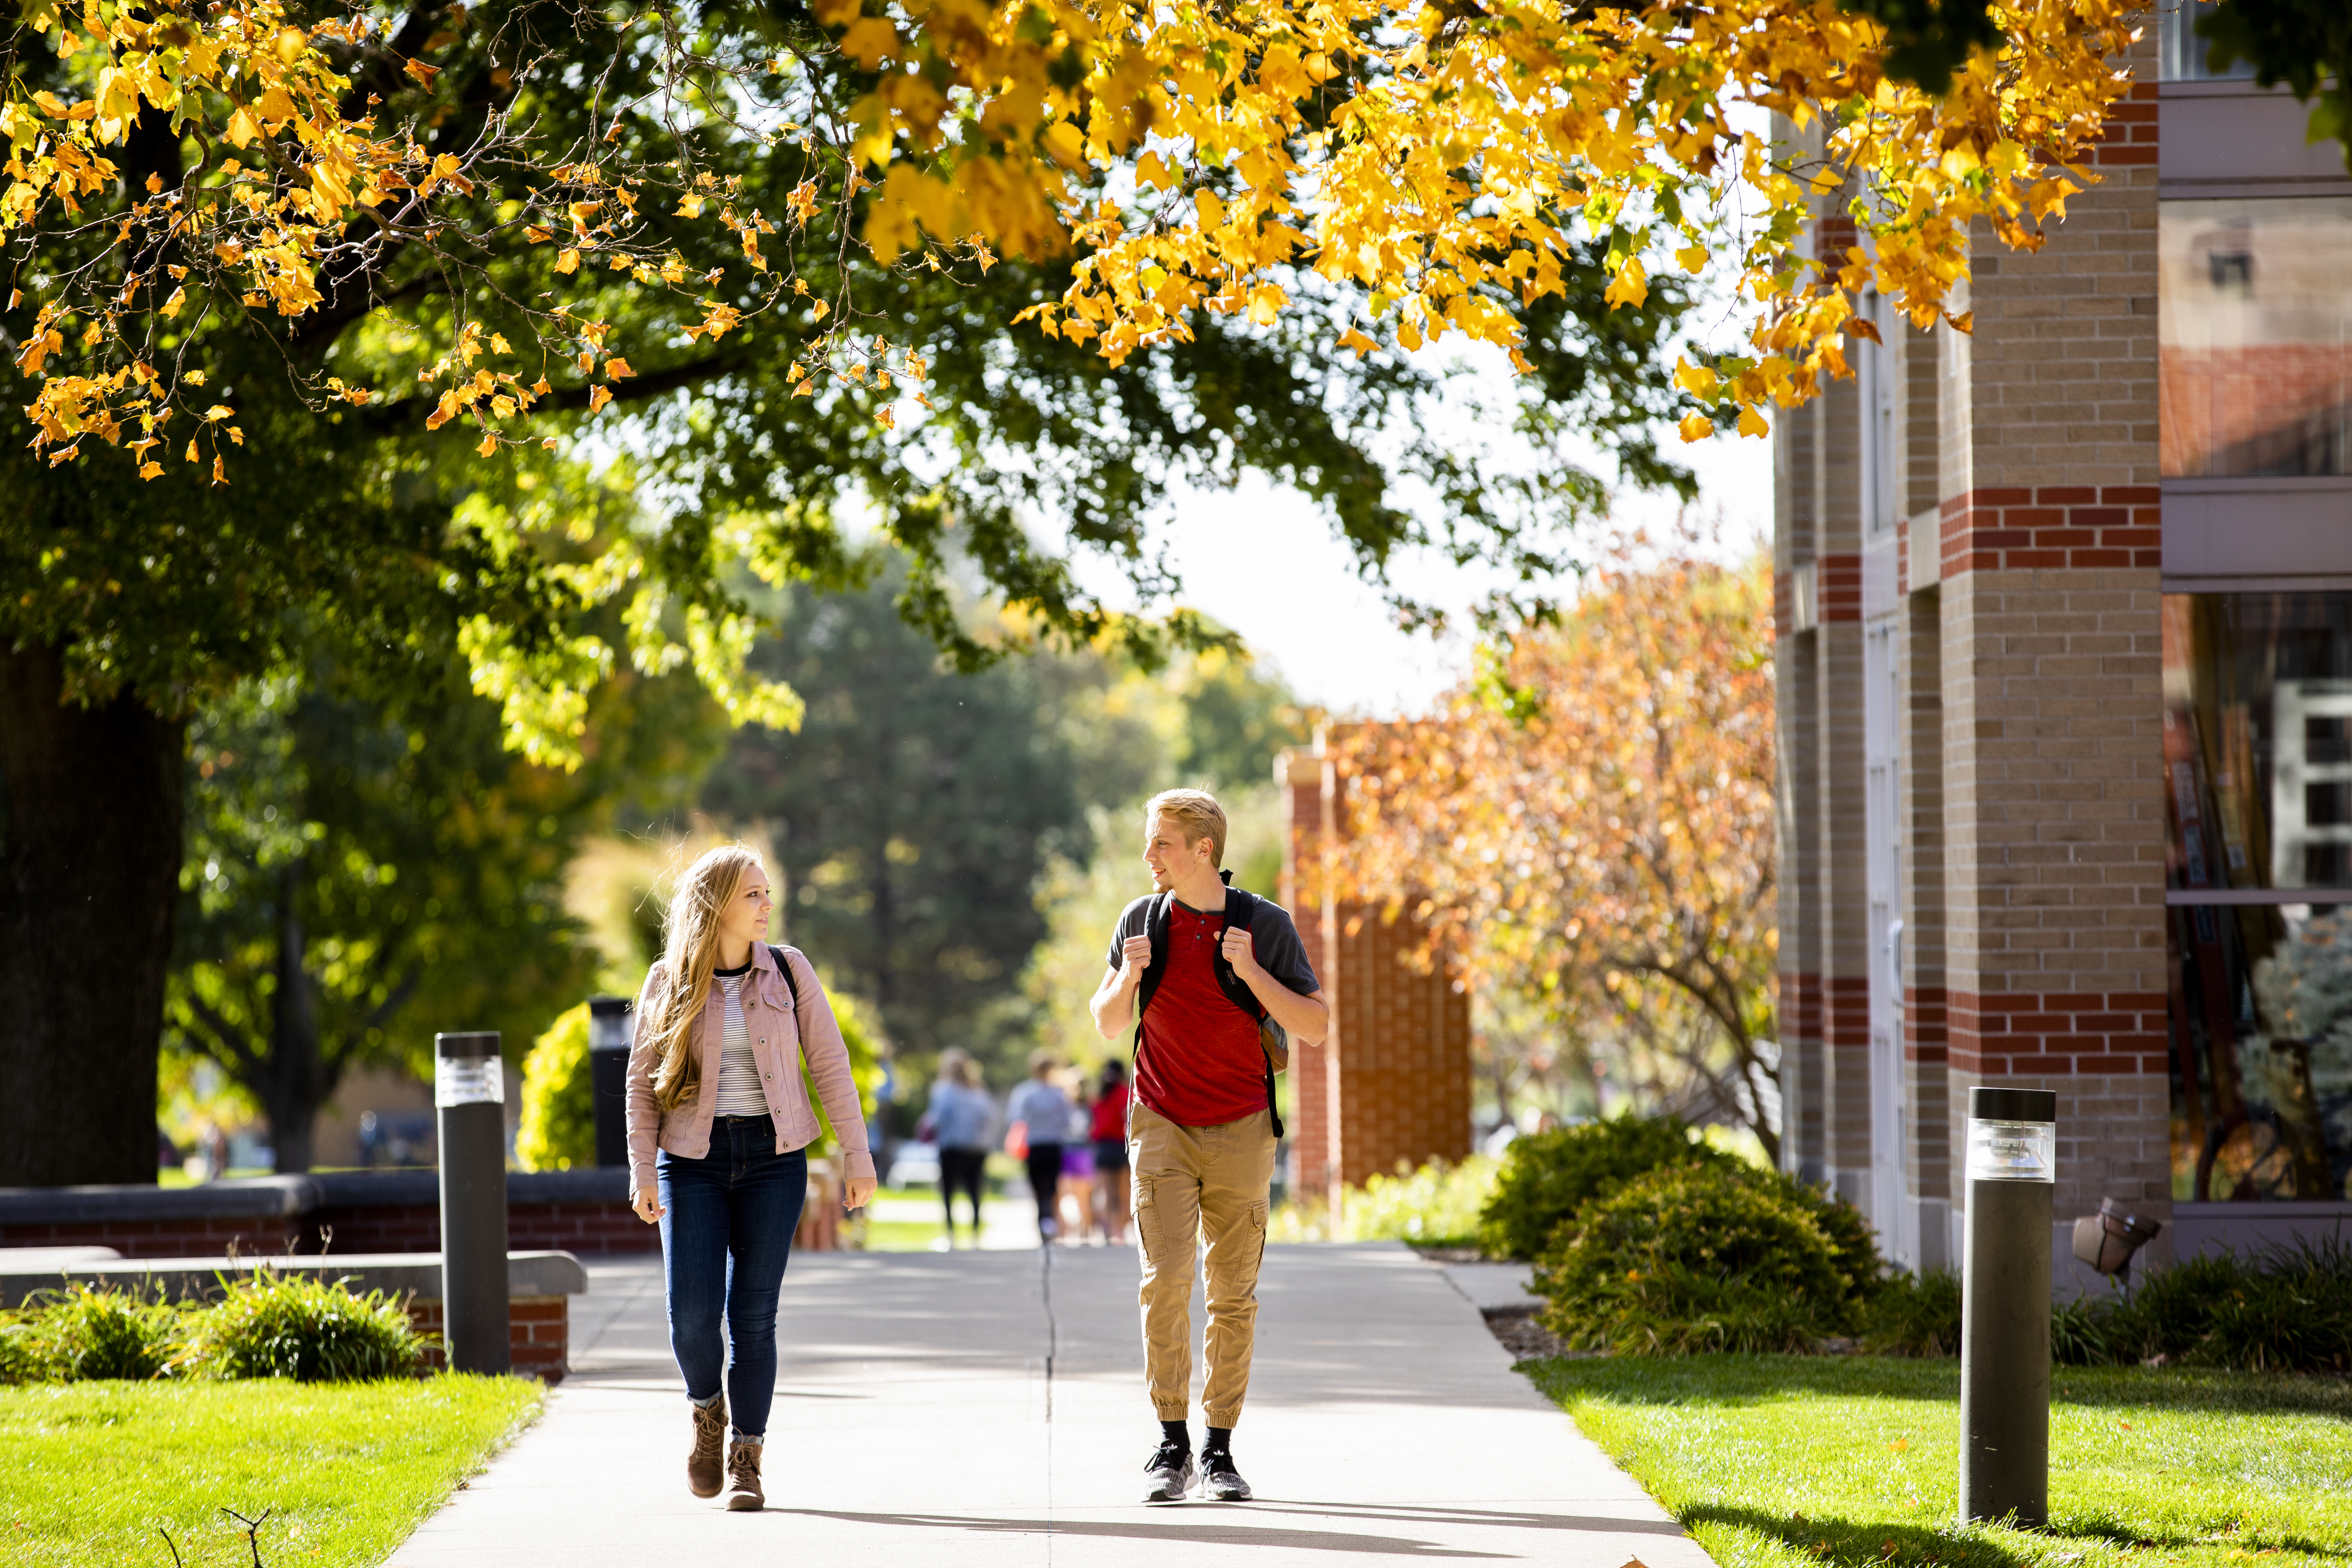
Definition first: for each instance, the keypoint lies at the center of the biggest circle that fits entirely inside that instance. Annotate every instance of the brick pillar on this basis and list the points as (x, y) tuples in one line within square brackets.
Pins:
[(1314, 1147), (2049, 552), (1391, 1084)]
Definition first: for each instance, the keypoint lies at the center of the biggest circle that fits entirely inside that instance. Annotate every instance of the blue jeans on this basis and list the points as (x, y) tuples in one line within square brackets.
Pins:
[(727, 1231)]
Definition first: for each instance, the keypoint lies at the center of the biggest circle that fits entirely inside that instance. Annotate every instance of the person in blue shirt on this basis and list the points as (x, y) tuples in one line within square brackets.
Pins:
[(961, 1117), (1044, 1113)]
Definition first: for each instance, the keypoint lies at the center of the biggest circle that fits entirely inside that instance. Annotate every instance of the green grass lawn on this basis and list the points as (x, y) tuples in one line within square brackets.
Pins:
[(89, 1470), (1798, 1461)]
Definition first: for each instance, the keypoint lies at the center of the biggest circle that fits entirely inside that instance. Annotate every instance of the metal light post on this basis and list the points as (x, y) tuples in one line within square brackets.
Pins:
[(2012, 1161), (469, 1095), (611, 1032)]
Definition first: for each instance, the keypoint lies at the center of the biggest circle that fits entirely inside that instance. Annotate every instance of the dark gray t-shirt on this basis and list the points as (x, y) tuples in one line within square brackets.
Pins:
[(1273, 938)]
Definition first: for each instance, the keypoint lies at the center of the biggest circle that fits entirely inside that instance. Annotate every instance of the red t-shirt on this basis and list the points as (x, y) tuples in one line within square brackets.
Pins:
[(1110, 1116), (1201, 1064)]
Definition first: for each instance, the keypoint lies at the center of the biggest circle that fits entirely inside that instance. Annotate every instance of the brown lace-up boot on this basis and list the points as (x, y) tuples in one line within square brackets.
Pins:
[(743, 1493), (702, 1467)]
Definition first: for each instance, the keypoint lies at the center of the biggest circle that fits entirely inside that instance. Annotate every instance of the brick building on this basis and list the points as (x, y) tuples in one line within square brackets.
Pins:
[(1392, 1081), (2066, 699)]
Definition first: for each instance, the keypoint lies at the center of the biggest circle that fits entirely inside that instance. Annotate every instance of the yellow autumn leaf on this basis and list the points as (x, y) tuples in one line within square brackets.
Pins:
[(1751, 423), (1629, 287), (567, 261)]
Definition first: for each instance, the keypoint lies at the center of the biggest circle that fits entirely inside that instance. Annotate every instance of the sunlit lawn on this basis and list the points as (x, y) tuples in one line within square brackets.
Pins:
[(1797, 1462), (91, 1471)]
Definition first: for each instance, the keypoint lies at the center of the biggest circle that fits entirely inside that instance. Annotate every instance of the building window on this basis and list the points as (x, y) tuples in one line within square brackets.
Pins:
[(2183, 52), (2258, 806), (2254, 327)]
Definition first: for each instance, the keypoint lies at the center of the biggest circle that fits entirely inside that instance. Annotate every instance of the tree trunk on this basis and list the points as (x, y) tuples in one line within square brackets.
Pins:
[(89, 883), (294, 1084)]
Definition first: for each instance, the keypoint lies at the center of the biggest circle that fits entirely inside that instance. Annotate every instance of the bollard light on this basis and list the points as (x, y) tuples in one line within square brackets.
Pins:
[(469, 1098), (611, 1032), (2012, 1166)]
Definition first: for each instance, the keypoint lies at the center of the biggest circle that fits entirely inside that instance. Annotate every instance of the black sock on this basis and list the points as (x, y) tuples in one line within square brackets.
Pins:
[(1221, 1441), (1176, 1432)]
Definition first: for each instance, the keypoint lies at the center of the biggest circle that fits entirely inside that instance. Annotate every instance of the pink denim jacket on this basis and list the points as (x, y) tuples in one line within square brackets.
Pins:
[(779, 1040)]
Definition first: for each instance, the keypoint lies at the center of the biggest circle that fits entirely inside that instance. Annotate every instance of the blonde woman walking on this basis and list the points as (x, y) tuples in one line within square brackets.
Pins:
[(719, 1124)]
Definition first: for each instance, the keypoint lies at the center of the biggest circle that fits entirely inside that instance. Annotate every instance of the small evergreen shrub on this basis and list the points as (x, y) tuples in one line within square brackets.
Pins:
[(311, 1329), (1914, 1315), (1706, 1256), (1546, 1177), (80, 1333), (559, 1109)]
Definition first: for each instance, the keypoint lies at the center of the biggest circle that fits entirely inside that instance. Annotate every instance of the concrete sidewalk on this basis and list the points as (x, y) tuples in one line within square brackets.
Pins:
[(987, 1408)]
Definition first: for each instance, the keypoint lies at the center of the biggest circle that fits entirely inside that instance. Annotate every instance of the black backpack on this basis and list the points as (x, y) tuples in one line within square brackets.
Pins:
[(1241, 907)]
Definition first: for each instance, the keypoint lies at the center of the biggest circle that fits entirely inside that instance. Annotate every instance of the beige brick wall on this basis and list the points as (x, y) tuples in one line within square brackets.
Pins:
[(2111, 1144)]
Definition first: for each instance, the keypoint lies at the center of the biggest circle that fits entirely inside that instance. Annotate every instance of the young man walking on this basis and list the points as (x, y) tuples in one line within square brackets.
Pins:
[(1207, 967)]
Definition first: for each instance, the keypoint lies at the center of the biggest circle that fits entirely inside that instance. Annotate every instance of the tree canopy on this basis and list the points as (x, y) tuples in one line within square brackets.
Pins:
[(362, 871)]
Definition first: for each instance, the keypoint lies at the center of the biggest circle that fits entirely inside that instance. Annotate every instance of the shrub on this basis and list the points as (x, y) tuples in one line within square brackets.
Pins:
[(1703, 1256), (311, 1329), (21, 1359), (559, 1112), (2286, 1310), (1438, 1202), (1546, 1177), (1914, 1315), (82, 1333)]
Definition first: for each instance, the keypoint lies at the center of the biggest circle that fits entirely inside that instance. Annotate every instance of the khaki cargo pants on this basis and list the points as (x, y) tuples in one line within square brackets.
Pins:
[(1192, 1183)]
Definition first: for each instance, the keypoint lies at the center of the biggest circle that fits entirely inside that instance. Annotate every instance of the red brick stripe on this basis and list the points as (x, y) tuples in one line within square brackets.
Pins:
[(2054, 527), (1926, 1011), (2130, 135), (2051, 1034), (1845, 1012), (1837, 581)]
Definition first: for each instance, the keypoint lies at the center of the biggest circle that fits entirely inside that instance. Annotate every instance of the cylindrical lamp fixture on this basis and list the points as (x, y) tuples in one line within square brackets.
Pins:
[(611, 1032), (2012, 1169), (469, 1095)]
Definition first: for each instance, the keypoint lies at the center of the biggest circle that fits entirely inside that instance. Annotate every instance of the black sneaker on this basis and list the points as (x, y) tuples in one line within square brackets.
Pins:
[(1220, 1482), (1169, 1473)]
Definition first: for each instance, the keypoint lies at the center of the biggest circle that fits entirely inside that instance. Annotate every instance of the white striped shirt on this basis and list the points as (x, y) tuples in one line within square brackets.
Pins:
[(739, 1070)]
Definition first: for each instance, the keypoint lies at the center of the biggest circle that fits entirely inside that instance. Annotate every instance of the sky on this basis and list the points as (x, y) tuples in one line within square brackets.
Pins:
[(1262, 561)]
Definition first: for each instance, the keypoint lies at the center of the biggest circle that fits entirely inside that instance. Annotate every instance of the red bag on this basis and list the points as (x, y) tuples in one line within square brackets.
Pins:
[(1016, 1140)]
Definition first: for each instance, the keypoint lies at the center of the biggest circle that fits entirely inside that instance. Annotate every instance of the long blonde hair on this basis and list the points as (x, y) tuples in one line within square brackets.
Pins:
[(689, 955)]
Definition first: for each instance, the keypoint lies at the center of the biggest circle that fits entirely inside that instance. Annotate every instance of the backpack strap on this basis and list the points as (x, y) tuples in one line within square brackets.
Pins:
[(784, 967), (1241, 907)]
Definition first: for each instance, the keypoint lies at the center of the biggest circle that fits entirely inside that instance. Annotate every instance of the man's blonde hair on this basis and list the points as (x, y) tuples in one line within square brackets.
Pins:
[(1195, 814)]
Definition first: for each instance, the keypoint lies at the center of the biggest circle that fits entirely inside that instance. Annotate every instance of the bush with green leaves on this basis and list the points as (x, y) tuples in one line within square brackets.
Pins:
[(559, 1111), (305, 1328), (1914, 1314), (2285, 1309), (1706, 1256), (1546, 1177), (1437, 1204), (79, 1334)]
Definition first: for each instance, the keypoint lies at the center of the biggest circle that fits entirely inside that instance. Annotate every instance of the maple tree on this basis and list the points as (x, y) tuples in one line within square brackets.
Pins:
[(1587, 825), (1441, 158), (348, 532)]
